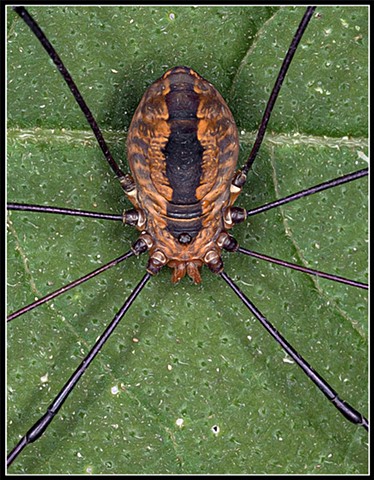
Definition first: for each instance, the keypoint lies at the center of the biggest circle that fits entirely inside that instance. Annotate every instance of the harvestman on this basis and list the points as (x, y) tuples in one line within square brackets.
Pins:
[(212, 260)]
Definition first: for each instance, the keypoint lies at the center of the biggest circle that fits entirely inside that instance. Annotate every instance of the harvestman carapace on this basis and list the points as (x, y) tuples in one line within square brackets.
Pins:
[(182, 118)]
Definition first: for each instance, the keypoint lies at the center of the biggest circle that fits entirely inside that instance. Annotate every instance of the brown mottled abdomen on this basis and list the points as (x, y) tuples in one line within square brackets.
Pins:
[(182, 151)]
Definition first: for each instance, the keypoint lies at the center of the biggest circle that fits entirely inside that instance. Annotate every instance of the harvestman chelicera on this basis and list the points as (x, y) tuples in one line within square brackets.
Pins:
[(130, 218)]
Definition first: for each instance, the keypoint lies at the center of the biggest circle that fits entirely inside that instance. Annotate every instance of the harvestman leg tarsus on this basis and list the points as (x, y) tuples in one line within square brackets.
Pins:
[(37, 430), (344, 408)]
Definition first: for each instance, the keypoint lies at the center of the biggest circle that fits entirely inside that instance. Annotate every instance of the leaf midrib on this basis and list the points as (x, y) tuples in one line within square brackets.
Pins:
[(87, 138)]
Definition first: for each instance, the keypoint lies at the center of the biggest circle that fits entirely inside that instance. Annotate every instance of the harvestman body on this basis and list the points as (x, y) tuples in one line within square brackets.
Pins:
[(182, 151)]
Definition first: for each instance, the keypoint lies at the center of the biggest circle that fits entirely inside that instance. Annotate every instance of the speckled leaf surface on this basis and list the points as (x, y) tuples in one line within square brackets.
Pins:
[(189, 383)]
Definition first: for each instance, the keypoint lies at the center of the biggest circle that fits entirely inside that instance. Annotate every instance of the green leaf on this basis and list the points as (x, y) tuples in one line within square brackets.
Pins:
[(201, 388)]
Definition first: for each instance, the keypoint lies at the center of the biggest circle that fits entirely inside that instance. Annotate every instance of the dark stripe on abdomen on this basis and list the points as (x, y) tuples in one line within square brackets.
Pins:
[(183, 152), (184, 219), (178, 227), (184, 212)]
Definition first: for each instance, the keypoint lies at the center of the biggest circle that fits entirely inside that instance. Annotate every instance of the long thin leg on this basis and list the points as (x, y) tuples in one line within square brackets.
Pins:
[(277, 86), (37, 430), (25, 207), (69, 286), (310, 271), (309, 191), (344, 408), (31, 23), (254, 211)]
